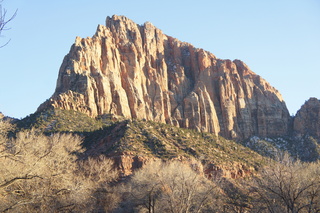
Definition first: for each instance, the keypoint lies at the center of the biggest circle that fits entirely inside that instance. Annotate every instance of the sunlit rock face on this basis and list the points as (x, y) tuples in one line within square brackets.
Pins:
[(307, 119), (138, 72)]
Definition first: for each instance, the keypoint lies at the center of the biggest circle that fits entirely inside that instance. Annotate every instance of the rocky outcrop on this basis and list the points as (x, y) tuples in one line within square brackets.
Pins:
[(126, 164), (307, 119), (137, 71), (237, 170)]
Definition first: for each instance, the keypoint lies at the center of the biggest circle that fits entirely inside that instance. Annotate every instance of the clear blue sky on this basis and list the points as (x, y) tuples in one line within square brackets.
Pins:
[(277, 39)]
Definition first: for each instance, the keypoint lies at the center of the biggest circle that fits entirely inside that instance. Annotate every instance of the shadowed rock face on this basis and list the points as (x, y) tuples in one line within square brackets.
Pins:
[(307, 119), (136, 71)]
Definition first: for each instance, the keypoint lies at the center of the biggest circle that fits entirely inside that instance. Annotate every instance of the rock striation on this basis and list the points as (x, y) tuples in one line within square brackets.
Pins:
[(138, 72), (307, 119)]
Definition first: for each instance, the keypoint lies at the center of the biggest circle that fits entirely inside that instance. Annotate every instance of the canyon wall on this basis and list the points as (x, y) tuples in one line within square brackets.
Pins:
[(138, 72)]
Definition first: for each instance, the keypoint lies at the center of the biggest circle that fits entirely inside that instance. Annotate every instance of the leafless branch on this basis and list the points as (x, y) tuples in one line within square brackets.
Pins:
[(26, 177), (4, 21), (22, 202)]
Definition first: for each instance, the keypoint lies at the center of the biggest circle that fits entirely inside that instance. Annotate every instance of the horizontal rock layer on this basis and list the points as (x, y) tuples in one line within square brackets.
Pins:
[(138, 72)]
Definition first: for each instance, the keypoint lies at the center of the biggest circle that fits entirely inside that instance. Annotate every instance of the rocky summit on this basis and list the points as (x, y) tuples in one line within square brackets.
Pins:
[(138, 72), (307, 119)]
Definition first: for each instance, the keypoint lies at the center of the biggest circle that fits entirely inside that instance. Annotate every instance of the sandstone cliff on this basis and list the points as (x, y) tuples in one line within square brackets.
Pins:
[(137, 71), (307, 119)]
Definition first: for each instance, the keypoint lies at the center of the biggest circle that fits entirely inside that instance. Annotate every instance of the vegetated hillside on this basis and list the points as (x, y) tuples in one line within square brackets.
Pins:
[(148, 139), (57, 120), (125, 138), (305, 148), (115, 135)]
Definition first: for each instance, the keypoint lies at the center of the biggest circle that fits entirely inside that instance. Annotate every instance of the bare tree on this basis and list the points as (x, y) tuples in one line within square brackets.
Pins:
[(4, 21), (36, 171), (97, 173), (170, 187), (237, 195), (41, 173), (289, 186)]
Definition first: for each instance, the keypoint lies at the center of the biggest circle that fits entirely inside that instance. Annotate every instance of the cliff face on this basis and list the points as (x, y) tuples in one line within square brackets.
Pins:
[(307, 119), (138, 72)]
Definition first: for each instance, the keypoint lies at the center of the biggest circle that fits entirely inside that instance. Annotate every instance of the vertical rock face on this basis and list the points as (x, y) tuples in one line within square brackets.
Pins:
[(136, 71), (307, 119)]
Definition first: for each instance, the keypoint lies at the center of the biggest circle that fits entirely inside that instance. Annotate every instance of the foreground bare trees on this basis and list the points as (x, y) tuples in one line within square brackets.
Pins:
[(169, 187), (41, 173), (281, 186), (289, 186)]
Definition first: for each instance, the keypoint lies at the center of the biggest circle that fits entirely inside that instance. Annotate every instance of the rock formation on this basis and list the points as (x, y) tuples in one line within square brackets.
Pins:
[(138, 72), (307, 119)]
